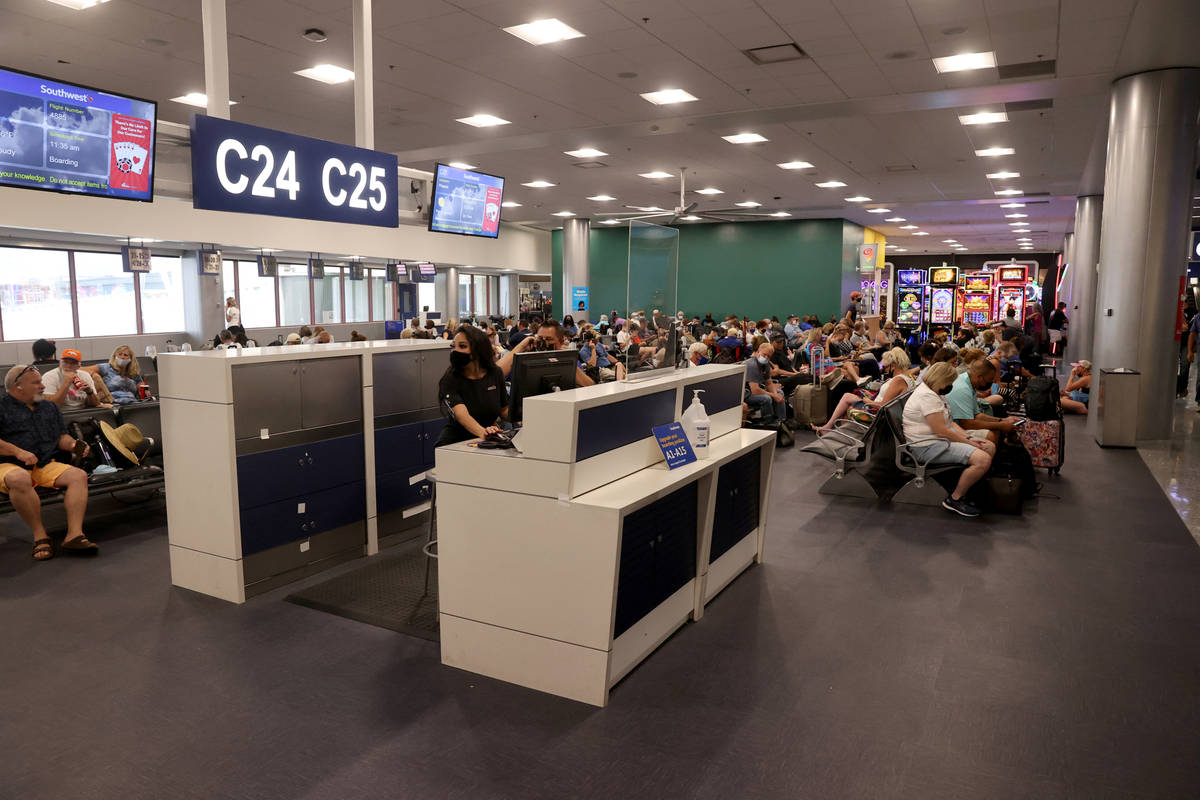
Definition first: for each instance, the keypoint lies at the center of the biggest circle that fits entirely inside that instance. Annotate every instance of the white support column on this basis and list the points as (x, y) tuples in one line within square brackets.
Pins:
[(364, 76), (216, 57)]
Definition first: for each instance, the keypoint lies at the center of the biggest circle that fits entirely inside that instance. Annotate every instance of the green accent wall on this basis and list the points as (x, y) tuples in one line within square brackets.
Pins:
[(757, 269)]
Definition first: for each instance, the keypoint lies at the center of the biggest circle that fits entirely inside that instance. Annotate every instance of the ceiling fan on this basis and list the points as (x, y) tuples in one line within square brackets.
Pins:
[(682, 211)]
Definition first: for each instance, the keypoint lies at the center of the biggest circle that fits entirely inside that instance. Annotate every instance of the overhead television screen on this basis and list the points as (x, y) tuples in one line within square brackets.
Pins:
[(466, 202), (68, 138)]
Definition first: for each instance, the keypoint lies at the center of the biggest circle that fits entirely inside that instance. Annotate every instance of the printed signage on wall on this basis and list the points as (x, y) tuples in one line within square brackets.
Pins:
[(673, 442), (868, 256), (210, 262), (252, 170), (135, 259), (579, 298)]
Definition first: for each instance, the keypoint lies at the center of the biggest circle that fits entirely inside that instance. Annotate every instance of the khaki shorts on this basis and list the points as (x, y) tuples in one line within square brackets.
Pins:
[(977, 433), (42, 476)]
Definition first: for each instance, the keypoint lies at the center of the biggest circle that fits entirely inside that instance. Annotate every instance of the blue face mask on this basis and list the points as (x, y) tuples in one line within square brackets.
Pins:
[(763, 360)]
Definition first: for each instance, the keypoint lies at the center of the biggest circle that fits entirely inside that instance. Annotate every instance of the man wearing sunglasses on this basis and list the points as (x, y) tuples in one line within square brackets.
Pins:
[(32, 431)]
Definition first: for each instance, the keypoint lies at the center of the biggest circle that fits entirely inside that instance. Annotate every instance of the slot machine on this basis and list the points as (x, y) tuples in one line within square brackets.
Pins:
[(910, 299), (976, 306), (943, 296), (1010, 290)]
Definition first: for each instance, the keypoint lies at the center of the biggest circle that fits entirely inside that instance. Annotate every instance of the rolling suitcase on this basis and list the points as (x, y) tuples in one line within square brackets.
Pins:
[(810, 404), (1045, 441)]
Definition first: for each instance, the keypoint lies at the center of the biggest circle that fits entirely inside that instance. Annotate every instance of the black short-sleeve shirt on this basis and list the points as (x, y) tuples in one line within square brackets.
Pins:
[(484, 398), (36, 429)]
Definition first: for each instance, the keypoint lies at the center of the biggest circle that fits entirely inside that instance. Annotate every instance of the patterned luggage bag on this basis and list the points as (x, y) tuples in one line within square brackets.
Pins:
[(1045, 442)]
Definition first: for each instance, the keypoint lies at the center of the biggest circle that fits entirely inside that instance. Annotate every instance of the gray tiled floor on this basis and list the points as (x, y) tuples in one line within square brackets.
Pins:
[(881, 652), (1175, 462)]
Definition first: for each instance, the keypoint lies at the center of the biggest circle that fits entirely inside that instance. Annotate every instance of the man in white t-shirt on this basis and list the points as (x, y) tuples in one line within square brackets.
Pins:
[(69, 387), (934, 438)]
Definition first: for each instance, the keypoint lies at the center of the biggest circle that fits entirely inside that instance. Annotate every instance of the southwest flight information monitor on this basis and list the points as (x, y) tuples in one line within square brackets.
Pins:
[(466, 202), (69, 138)]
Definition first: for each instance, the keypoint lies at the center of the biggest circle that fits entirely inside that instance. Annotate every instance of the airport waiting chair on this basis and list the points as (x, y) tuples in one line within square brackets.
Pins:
[(920, 489), (850, 445)]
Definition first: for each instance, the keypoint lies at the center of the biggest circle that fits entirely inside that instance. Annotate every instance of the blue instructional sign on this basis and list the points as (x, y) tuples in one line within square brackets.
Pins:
[(579, 298), (252, 170), (673, 442)]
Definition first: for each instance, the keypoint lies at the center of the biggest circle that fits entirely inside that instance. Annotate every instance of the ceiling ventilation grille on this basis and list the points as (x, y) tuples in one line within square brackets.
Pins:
[(589, 164), (900, 167), (775, 53), (1028, 105), (1027, 69)]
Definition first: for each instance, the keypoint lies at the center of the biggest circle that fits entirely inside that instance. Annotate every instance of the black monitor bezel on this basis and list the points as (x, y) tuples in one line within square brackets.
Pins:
[(433, 196)]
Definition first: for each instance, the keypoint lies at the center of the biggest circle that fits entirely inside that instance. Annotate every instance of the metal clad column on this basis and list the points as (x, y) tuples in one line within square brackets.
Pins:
[(1085, 254), (216, 57), (576, 236), (364, 75), (1064, 295), (513, 307), (1148, 178), (451, 310)]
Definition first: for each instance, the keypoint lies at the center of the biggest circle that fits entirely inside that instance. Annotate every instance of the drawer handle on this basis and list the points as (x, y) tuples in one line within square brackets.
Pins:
[(310, 461)]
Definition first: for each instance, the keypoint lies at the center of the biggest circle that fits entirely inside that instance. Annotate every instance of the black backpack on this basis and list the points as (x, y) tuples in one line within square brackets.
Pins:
[(1041, 399), (1013, 461)]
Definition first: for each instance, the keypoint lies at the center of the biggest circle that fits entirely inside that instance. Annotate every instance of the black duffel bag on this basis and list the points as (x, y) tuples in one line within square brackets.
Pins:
[(1042, 399)]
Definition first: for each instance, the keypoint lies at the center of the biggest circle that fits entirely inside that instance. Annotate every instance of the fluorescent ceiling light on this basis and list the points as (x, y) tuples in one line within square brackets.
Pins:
[(510, 204), (690, 218), (564, 214), (949, 241), (646, 209), (1019, 224), (744, 138), (1024, 239), (585, 152), (920, 233), (964, 61), (539, 184), (748, 204), (1009, 192), (895, 219), (460, 165), (858, 198), (544, 31), (665, 97), (602, 198), (610, 222), (983, 118), (879, 211), (995, 151), (901, 249), (1012, 205), (483, 121), (795, 165), (326, 73), (1015, 216), (1002, 176), (709, 190), (909, 227), (831, 185), (198, 99), (780, 214), (78, 5), (657, 175)]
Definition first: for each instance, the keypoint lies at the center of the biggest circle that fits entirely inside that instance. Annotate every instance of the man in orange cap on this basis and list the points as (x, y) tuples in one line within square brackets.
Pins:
[(69, 387)]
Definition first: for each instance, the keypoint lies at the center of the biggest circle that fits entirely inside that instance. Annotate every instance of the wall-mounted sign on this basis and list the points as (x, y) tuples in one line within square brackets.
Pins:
[(135, 259), (357, 272), (422, 273), (868, 256), (579, 298), (393, 272), (268, 266), (316, 268), (252, 170), (210, 262)]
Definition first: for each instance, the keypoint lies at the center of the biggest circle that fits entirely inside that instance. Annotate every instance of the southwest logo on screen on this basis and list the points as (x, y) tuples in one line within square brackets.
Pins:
[(63, 94)]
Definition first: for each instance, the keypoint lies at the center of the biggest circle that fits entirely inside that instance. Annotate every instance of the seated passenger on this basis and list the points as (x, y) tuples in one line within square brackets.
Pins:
[(69, 387), (697, 355), (1074, 398), (43, 352), (355, 336), (569, 327), (549, 336), (968, 410), (305, 334), (888, 336), (293, 338), (934, 438), (324, 337), (472, 389), (121, 375), (32, 432), (593, 354), (519, 333), (896, 366), (764, 392), (859, 337), (225, 340)]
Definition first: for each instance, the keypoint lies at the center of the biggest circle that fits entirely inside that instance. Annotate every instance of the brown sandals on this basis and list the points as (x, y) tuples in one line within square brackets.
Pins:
[(43, 549), (80, 546)]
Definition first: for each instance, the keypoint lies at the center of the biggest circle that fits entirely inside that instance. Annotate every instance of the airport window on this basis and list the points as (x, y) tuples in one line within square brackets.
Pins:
[(162, 295), (294, 308), (255, 296), (357, 309), (35, 293), (327, 296), (426, 296), (105, 295), (381, 296), (229, 281)]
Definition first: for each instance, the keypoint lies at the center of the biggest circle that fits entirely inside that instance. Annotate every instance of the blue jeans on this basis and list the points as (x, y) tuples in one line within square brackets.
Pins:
[(769, 405)]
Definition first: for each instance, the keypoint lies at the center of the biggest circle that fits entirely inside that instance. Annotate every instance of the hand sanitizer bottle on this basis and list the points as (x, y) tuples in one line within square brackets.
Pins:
[(695, 425)]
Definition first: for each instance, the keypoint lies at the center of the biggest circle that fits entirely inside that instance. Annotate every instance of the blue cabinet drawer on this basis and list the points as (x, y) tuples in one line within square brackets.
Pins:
[(271, 525), (399, 448), (433, 429), (291, 471), (395, 491)]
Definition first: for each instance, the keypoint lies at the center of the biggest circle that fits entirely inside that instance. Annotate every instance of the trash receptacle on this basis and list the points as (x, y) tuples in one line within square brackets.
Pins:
[(1115, 405)]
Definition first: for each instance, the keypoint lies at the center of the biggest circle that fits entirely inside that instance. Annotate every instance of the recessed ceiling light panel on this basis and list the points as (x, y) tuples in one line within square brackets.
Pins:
[(858, 198), (327, 73), (964, 62), (895, 219), (780, 214), (601, 198), (78, 5), (460, 165), (983, 118), (745, 138), (585, 152), (690, 218), (1015, 216), (748, 204), (995, 151), (665, 97), (920, 233), (909, 227), (1002, 176), (879, 211), (830, 185), (564, 213), (709, 190), (795, 165), (538, 184), (657, 175), (483, 121), (1012, 205), (544, 31), (1009, 192), (198, 99), (510, 204)]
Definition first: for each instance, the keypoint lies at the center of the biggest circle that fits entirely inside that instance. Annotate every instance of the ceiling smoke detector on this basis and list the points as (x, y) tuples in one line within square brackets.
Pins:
[(315, 35)]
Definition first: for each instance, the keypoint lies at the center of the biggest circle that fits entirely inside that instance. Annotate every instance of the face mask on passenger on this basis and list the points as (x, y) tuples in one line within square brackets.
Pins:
[(122, 362), (764, 360), (459, 359)]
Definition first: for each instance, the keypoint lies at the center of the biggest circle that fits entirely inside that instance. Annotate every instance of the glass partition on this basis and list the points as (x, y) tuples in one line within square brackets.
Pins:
[(651, 340)]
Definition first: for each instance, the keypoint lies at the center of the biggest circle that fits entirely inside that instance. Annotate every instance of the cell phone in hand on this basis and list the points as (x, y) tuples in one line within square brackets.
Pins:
[(1020, 422), (80, 448)]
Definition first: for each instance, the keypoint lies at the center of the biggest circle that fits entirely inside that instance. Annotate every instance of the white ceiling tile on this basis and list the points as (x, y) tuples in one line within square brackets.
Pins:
[(934, 12), (813, 29), (748, 38), (388, 15), (833, 46), (1023, 22), (868, 6), (900, 22)]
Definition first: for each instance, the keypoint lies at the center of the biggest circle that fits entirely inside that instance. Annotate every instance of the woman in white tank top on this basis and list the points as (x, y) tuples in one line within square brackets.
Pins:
[(895, 363)]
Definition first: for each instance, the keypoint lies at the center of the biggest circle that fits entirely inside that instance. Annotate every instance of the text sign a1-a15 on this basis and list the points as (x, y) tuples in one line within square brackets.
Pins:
[(252, 170), (673, 442)]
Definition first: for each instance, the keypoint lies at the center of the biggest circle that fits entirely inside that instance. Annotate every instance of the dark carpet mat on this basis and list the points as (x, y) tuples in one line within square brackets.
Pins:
[(388, 592)]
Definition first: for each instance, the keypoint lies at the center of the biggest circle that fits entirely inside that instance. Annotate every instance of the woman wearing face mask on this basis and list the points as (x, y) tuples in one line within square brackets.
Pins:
[(896, 367), (472, 389), (569, 327), (121, 375), (934, 438)]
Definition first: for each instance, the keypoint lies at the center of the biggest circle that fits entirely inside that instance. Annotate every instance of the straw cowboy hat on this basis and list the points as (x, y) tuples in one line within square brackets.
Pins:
[(128, 442)]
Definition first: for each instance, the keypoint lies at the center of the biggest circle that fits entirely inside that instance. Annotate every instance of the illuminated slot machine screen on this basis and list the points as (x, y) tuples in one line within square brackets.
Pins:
[(943, 275), (910, 286), (941, 305)]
